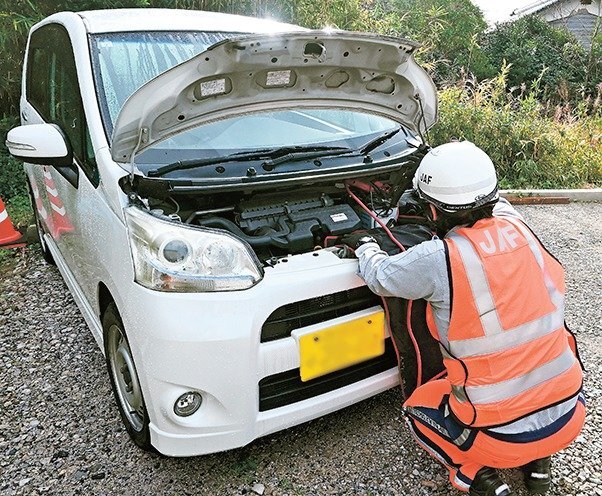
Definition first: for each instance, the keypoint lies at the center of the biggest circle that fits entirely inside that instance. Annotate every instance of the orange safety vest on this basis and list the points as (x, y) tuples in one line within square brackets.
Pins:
[(507, 351)]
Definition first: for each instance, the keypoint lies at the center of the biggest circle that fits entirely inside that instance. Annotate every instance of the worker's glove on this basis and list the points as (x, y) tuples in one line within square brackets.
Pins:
[(356, 239)]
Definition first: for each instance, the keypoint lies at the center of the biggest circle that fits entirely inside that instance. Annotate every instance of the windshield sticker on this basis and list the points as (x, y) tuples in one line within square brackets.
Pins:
[(278, 78)]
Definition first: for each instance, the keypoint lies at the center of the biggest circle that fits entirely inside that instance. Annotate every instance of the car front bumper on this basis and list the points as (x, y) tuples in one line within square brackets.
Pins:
[(211, 343)]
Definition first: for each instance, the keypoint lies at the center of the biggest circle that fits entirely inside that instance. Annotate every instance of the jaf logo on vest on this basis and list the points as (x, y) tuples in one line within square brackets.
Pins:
[(503, 239)]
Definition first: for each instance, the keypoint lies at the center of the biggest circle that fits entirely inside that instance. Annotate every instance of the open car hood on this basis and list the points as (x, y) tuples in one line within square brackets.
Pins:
[(311, 69)]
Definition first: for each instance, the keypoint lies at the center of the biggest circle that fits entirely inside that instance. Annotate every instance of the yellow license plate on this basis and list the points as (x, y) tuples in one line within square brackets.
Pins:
[(342, 345)]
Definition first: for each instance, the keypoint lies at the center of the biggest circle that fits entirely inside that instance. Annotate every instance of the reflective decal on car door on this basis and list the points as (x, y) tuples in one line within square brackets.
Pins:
[(60, 220)]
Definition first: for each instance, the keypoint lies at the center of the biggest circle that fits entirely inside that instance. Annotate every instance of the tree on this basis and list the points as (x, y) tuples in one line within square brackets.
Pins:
[(536, 51), (449, 31)]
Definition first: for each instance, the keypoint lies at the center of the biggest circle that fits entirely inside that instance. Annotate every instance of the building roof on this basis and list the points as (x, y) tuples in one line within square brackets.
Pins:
[(119, 20), (593, 6), (533, 7)]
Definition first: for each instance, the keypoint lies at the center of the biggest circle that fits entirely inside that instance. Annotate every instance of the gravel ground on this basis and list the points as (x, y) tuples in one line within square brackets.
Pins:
[(60, 432)]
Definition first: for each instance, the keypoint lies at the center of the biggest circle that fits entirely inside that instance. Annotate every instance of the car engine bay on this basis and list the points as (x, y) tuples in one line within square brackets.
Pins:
[(277, 222)]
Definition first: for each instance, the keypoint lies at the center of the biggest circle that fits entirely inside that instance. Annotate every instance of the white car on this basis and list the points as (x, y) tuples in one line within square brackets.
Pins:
[(190, 173)]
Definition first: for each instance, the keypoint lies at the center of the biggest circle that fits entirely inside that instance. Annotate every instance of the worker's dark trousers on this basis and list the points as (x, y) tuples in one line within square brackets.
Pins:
[(474, 449)]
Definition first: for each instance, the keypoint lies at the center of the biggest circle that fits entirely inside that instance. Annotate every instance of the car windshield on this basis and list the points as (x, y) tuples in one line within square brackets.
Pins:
[(125, 61)]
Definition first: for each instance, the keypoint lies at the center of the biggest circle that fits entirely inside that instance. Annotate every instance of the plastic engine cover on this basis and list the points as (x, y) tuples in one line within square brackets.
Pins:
[(335, 220), (293, 223)]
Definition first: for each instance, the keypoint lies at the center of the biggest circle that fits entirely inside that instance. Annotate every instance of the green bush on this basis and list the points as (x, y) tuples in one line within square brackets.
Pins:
[(529, 149), (20, 211), (538, 51), (12, 175)]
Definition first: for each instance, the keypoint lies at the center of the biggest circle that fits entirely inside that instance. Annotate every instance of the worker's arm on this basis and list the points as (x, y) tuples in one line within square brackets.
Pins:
[(416, 273), (420, 272)]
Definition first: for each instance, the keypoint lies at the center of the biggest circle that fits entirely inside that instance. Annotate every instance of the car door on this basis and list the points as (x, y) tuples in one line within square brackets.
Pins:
[(52, 95)]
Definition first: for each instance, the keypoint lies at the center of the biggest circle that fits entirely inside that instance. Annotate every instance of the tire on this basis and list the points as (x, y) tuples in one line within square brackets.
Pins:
[(124, 379), (40, 230)]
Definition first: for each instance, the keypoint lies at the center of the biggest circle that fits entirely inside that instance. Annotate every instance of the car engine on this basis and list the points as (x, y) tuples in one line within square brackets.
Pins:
[(278, 224), (293, 224), (290, 221)]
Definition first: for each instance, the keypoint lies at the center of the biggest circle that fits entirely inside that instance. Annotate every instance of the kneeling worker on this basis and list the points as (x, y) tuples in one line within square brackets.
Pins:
[(512, 396)]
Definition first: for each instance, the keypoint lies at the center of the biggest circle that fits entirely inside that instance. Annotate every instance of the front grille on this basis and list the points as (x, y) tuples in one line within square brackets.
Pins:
[(286, 387), (286, 318)]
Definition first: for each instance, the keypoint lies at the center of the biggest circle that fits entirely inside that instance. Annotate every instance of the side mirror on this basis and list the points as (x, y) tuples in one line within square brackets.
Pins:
[(43, 144)]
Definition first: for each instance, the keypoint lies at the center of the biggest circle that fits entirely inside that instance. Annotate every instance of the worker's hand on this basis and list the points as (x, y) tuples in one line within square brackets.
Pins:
[(356, 239)]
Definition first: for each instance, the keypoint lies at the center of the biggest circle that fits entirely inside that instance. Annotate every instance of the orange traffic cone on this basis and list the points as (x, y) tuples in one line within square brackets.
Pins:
[(9, 236)]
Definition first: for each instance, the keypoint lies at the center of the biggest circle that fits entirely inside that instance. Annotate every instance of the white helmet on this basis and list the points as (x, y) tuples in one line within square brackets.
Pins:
[(457, 176)]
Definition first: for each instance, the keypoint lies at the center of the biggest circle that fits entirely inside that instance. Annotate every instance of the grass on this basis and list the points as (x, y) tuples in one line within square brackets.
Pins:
[(5, 258), (21, 215), (7, 261), (245, 467), (19, 210), (532, 145)]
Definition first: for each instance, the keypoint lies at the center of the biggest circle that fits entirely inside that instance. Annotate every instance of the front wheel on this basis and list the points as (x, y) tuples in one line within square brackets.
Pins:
[(124, 379)]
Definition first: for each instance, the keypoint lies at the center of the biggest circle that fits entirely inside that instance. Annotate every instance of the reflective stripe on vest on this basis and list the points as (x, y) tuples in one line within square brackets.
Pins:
[(485, 394), (512, 387)]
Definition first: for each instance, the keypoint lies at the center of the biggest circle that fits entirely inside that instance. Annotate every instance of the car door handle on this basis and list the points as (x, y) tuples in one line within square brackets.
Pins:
[(24, 116)]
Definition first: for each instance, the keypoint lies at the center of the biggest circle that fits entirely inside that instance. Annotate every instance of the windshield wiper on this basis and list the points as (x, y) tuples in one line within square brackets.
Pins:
[(202, 162), (275, 156), (300, 153), (379, 140), (306, 154), (272, 156)]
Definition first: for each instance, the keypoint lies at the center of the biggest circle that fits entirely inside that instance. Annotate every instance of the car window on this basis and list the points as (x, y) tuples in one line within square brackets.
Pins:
[(38, 72), (52, 88)]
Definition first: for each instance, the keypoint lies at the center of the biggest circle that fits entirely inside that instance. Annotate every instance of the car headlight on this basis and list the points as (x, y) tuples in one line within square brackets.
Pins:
[(177, 257)]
